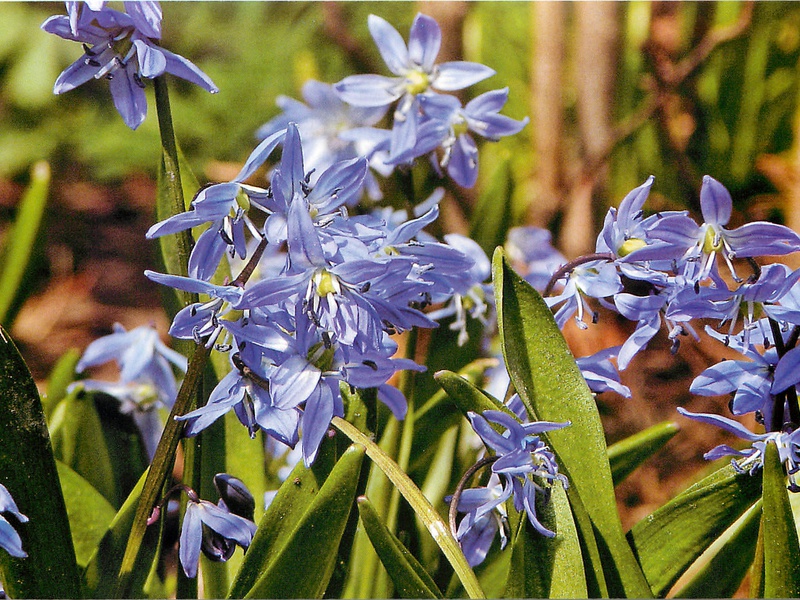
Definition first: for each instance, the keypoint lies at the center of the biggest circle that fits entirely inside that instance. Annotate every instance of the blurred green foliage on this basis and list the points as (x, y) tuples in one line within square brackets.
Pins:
[(740, 101)]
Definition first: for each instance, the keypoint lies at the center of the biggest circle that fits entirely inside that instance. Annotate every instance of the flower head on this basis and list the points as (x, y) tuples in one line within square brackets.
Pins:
[(120, 47)]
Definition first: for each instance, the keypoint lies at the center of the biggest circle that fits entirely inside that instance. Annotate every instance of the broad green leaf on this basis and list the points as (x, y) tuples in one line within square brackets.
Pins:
[(79, 443), (100, 576), (304, 564), (668, 541), (287, 508), (781, 546), (543, 567), (28, 471), (626, 455), (409, 578), (551, 386), (492, 217), (62, 374), (89, 513), (20, 242), (722, 574)]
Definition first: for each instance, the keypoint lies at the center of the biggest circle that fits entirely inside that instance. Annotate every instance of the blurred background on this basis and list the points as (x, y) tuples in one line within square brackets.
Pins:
[(615, 92)]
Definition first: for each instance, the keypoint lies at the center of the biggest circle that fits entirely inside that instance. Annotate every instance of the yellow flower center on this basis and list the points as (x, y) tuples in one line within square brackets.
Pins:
[(326, 283), (417, 82), (629, 246), (712, 242)]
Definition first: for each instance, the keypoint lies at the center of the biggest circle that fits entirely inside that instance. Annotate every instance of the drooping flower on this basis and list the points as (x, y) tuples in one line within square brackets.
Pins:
[(216, 529), (524, 462), (121, 48)]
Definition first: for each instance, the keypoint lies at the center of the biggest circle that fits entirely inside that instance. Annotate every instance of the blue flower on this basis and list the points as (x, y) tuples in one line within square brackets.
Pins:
[(751, 460), (525, 463), (9, 538), (532, 250), (332, 131), (485, 517), (447, 125), (120, 48), (698, 246), (415, 73), (215, 528)]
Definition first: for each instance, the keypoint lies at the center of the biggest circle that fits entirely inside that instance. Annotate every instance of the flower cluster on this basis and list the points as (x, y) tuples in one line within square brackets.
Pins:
[(523, 468), (424, 121), (317, 313), (121, 48), (675, 264)]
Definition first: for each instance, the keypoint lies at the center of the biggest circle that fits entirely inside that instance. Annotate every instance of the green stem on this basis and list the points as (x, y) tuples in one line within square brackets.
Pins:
[(161, 466), (421, 506)]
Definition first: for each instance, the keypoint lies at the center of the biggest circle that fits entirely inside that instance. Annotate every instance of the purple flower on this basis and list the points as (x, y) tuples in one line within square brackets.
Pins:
[(120, 47), (532, 247), (216, 528), (485, 517), (751, 460), (415, 73), (525, 463), (447, 125), (9, 538), (698, 246)]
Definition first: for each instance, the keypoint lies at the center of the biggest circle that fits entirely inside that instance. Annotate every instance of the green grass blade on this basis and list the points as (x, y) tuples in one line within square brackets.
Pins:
[(409, 578), (781, 547), (304, 564), (626, 455), (21, 240)]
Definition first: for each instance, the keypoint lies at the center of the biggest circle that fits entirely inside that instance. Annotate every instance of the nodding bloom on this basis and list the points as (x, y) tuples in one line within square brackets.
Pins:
[(216, 529), (415, 71), (9, 538), (121, 48), (526, 467)]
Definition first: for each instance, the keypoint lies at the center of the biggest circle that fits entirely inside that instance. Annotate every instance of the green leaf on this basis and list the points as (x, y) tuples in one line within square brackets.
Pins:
[(78, 442), (89, 513), (61, 376), (781, 546), (543, 567), (492, 217), (466, 396), (287, 508), (101, 574), (421, 506), (668, 541), (551, 386), (304, 564), (409, 578), (722, 573), (28, 470), (626, 455), (21, 240)]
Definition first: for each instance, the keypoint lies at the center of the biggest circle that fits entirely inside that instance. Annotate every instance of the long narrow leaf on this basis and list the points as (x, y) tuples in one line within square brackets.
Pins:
[(89, 512), (723, 573), (21, 240), (305, 563), (28, 470), (626, 455), (409, 578), (781, 547), (422, 507), (673, 537), (548, 380), (544, 567)]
